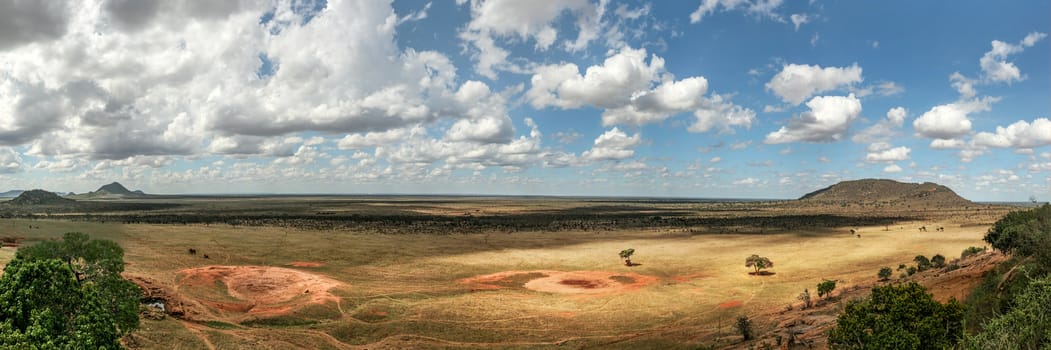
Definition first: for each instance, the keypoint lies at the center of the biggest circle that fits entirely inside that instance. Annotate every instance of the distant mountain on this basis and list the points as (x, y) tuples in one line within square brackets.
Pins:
[(882, 191), (39, 197), (111, 191), (11, 194)]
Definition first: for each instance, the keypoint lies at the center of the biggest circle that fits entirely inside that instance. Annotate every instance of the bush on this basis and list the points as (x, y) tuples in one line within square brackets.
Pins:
[(885, 273), (1026, 326), (971, 251), (805, 298), (898, 317), (922, 263), (825, 288), (938, 261), (744, 325), (901, 266), (911, 270)]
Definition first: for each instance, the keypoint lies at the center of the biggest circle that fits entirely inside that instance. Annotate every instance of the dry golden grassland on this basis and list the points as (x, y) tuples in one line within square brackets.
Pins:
[(431, 291)]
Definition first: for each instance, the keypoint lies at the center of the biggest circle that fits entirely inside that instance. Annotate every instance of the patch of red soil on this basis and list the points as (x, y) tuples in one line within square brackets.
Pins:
[(305, 264), (586, 284), (256, 290), (730, 304), (562, 282)]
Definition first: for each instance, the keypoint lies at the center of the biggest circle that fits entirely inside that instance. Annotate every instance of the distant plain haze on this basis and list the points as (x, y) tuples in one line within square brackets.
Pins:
[(703, 99)]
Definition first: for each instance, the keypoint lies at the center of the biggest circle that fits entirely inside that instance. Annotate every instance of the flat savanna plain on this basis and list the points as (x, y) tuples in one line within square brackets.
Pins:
[(533, 272)]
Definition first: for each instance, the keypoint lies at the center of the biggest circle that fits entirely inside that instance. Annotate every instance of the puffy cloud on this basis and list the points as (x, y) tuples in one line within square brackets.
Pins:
[(963, 85), (796, 82), (947, 143), (127, 78), (622, 86), (23, 22), (613, 144), (885, 128), (996, 68), (1021, 134), (893, 168), (491, 19), (882, 152), (762, 8), (827, 120), (719, 113), (488, 129), (669, 98), (609, 85), (950, 121), (10, 161)]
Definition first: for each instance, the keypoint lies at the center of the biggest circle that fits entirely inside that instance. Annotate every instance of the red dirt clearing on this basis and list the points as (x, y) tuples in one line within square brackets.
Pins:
[(257, 290), (730, 304), (562, 282), (305, 264)]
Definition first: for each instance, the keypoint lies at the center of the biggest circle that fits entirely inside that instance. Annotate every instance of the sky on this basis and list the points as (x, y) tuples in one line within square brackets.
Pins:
[(704, 98)]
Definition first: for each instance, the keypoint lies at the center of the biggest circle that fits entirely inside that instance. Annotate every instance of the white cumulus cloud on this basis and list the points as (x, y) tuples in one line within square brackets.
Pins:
[(797, 82), (828, 120)]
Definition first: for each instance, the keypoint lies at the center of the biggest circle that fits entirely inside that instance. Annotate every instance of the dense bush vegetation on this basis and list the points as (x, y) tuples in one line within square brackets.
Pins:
[(1002, 308), (898, 317), (67, 294)]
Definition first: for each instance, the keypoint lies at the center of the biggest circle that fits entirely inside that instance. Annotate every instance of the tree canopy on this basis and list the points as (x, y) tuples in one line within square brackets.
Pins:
[(67, 294), (898, 317), (758, 262)]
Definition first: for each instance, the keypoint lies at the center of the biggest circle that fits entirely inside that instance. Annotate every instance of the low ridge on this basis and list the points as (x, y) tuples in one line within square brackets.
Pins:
[(40, 197), (883, 191)]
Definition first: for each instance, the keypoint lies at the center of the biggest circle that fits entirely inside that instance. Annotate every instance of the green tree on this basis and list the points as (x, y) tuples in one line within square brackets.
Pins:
[(758, 262), (43, 306), (938, 261), (898, 317), (922, 263), (626, 255), (825, 288), (884, 273), (98, 263)]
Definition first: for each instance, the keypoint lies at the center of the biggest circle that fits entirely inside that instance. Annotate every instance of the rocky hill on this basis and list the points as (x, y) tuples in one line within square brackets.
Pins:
[(887, 192), (111, 191), (39, 197)]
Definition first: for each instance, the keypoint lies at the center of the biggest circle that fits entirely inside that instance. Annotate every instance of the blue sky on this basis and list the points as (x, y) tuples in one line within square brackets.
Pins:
[(708, 98)]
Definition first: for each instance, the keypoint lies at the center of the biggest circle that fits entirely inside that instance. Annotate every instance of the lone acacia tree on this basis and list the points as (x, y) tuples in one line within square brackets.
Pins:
[(626, 255), (758, 262)]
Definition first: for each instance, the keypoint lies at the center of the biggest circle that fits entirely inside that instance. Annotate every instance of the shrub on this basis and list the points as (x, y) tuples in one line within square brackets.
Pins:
[(901, 266), (825, 288), (922, 263), (805, 298), (971, 251), (744, 325), (911, 270), (1026, 326), (938, 261), (898, 317), (885, 273)]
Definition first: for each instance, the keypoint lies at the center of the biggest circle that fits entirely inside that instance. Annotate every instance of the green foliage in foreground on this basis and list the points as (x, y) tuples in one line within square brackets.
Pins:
[(67, 295), (1026, 326), (898, 317), (1012, 305)]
